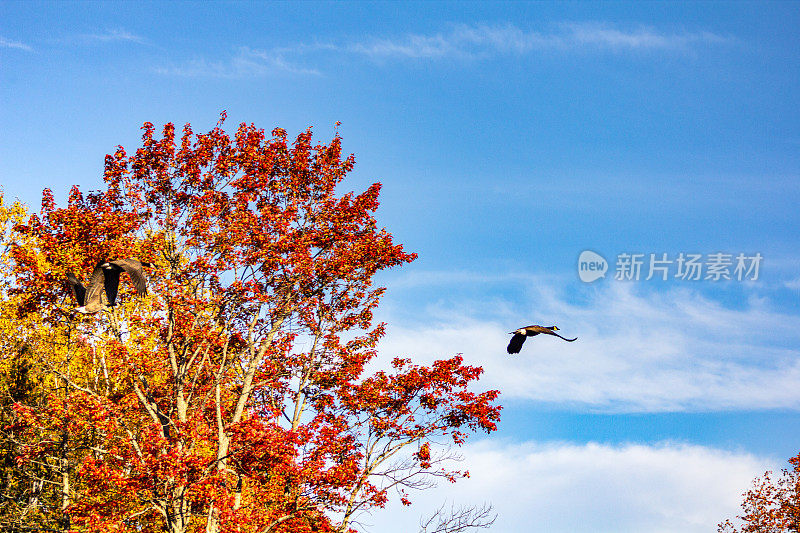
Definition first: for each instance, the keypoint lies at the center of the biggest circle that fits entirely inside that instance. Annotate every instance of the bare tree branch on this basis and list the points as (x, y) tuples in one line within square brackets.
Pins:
[(458, 519)]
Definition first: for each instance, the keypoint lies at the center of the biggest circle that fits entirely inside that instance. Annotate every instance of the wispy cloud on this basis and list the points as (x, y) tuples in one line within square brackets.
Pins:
[(115, 35), (7, 43), (793, 284), (643, 38), (559, 487), (245, 63), (483, 40), (458, 42), (673, 351)]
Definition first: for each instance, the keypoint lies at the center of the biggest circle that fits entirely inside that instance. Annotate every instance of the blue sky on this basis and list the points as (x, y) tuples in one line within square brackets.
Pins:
[(509, 137)]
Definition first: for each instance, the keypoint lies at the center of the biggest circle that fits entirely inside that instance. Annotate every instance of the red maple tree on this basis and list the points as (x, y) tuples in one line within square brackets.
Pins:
[(234, 397)]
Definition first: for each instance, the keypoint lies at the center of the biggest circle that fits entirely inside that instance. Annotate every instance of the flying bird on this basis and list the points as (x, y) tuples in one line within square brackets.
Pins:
[(106, 276), (529, 331)]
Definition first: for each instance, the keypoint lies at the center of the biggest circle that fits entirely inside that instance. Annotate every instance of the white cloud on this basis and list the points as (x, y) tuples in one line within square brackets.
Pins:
[(481, 40), (591, 488), (670, 351), (459, 42), (599, 35), (793, 284), (114, 35), (245, 63), (7, 43)]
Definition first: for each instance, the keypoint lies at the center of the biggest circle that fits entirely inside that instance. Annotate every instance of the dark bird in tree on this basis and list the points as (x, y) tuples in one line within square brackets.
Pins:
[(106, 276), (529, 331)]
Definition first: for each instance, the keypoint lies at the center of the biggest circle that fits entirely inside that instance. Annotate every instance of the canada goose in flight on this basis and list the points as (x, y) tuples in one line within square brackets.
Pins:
[(529, 331), (106, 276)]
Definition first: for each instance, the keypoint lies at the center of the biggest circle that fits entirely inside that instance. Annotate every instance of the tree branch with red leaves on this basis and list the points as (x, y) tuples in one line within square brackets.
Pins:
[(770, 506)]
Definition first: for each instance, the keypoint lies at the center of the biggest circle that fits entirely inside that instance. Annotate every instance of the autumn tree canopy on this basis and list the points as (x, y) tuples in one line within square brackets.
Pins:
[(236, 395), (771, 506)]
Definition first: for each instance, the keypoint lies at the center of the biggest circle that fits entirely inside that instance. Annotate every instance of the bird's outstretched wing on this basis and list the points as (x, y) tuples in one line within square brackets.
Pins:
[(515, 345), (550, 332), (78, 290), (111, 284), (134, 269), (95, 288)]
